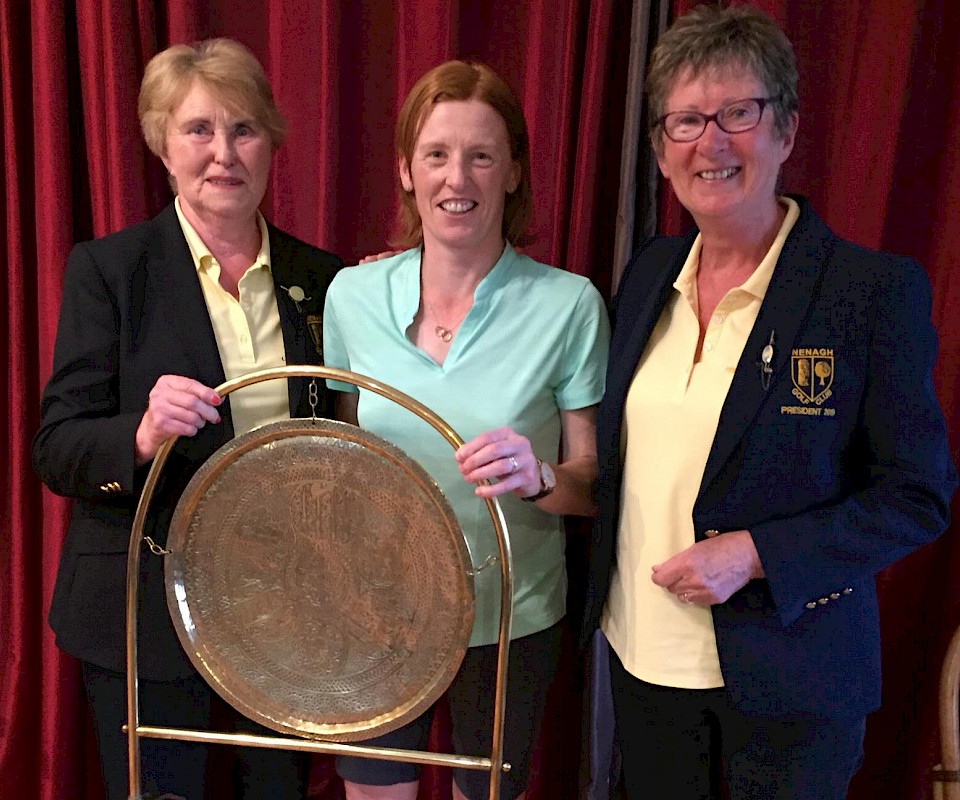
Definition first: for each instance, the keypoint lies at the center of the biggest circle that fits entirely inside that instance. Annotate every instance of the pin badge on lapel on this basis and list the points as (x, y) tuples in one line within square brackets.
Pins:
[(297, 295), (766, 357)]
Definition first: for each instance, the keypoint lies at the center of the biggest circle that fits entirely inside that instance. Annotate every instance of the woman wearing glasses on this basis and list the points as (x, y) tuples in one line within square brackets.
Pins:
[(769, 439)]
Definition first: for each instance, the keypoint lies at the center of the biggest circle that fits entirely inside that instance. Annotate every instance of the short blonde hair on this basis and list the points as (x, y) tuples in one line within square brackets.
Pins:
[(463, 80), (227, 69)]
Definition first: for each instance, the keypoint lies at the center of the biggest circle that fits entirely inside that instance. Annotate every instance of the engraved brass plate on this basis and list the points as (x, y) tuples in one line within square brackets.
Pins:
[(319, 580)]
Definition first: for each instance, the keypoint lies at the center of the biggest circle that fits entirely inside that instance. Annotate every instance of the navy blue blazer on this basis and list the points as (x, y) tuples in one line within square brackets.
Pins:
[(838, 467), (133, 310)]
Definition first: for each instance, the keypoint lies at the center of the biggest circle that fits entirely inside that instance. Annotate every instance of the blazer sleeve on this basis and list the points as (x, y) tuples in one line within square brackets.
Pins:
[(899, 451), (84, 447)]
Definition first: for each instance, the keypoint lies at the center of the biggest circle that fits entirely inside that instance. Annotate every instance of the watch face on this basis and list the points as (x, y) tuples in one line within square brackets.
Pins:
[(547, 478), (548, 482)]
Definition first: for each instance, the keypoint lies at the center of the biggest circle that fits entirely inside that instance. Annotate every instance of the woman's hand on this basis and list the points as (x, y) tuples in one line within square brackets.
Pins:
[(504, 455), (378, 256), (177, 406), (491, 455), (710, 571)]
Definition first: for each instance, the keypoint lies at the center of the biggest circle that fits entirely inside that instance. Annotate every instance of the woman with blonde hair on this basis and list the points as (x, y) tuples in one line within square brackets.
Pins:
[(153, 317)]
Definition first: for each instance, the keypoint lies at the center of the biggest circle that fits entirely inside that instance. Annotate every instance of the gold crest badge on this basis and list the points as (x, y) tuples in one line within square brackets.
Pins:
[(812, 372), (315, 326)]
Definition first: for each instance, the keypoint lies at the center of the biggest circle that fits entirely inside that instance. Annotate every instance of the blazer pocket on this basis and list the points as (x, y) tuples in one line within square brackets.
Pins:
[(97, 595)]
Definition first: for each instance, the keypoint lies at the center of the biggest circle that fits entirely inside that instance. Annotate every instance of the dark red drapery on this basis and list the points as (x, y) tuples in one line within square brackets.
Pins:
[(877, 153)]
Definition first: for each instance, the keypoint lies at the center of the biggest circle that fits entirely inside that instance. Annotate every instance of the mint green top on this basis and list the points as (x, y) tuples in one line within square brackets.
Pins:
[(534, 342)]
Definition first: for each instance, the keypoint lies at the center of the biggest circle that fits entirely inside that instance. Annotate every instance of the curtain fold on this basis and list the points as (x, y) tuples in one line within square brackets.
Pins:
[(637, 203)]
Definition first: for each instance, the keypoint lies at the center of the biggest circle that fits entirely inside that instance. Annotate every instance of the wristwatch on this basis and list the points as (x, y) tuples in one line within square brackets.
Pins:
[(548, 482)]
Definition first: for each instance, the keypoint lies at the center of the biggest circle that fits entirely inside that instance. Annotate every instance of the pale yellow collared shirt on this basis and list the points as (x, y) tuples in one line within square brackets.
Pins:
[(247, 330), (669, 423)]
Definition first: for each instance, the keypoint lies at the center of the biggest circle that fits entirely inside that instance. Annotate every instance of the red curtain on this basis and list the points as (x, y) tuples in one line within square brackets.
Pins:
[(878, 153)]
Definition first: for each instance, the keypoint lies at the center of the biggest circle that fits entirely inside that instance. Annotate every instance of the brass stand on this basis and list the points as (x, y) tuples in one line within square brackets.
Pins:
[(494, 764), (946, 775)]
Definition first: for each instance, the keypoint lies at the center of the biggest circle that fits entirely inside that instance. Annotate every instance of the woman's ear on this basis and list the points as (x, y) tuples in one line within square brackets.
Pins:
[(514, 178), (790, 135), (405, 180)]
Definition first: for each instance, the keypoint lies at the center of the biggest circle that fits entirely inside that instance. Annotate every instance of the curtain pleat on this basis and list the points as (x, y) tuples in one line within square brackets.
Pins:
[(114, 153), (593, 125), (637, 200), (41, 708)]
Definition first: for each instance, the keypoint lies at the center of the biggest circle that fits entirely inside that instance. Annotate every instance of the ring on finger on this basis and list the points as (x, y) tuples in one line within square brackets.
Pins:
[(685, 597), (514, 466)]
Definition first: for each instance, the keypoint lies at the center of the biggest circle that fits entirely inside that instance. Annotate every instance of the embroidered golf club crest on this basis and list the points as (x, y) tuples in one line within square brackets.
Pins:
[(315, 326), (812, 372)]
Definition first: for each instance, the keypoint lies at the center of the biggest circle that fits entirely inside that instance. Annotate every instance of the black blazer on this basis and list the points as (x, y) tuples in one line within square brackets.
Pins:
[(834, 482), (133, 310)]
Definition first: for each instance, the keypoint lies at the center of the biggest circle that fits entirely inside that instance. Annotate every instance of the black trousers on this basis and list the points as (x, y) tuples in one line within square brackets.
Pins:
[(686, 743), (532, 665), (180, 768)]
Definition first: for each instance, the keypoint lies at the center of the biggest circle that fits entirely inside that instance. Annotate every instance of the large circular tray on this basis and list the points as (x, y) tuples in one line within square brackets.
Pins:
[(319, 580)]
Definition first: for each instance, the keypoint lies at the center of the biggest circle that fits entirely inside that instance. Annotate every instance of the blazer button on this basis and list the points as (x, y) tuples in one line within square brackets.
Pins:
[(848, 590), (811, 604), (834, 595), (823, 601), (711, 533)]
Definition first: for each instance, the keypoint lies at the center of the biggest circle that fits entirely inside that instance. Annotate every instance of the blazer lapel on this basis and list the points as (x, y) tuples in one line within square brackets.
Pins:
[(296, 340), (172, 271), (783, 313), (636, 317)]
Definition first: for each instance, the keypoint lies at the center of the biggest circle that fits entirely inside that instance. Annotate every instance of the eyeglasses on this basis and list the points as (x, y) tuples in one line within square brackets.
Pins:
[(735, 117)]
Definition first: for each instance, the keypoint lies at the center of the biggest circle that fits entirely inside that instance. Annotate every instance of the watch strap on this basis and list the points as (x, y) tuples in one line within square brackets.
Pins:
[(544, 488)]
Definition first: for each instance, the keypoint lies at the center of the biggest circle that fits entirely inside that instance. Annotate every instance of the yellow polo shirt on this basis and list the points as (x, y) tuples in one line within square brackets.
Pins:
[(247, 330), (669, 423)]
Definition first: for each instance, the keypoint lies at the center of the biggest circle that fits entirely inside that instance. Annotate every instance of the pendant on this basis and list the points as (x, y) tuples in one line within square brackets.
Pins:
[(444, 333)]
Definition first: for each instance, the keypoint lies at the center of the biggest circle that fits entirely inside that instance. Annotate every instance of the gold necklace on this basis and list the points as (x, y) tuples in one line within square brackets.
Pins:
[(442, 331)]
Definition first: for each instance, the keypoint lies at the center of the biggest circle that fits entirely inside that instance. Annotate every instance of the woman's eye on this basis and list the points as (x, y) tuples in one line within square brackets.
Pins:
[(244, 130), (198, 130)]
